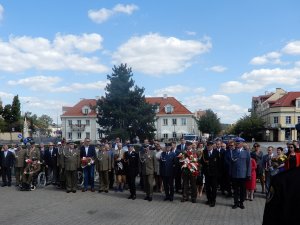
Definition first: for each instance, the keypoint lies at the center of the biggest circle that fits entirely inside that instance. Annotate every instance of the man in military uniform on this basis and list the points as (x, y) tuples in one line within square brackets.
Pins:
[(71, 164), (166, 168), (20, 155), (30, 172), (33, 152), (60, 164), (148, 168), (104, 164), (132, 164), (210, 166), (282, 205)]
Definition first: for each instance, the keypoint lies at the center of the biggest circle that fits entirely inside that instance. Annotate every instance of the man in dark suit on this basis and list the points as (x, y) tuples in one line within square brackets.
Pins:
[(178, 180), (7, 162), (166, 168), (210, 163), (88, 151), (132, 164), (51, 163)]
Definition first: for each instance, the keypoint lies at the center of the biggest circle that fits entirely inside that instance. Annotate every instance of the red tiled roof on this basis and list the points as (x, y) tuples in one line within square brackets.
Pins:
[(162, 101), (288, 100), (76, 110)]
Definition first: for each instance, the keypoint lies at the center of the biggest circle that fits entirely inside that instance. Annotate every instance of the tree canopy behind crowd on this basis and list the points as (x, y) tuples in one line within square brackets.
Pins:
[(11, 114), (124, 112), (209, 123), (249, 126)]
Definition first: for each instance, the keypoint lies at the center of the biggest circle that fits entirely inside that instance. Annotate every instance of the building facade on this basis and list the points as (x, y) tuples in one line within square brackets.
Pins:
[(281, 112), (172, 120)]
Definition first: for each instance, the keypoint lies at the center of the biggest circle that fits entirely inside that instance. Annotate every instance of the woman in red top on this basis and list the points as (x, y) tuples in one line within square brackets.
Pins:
[(251, 184), (293, 159)]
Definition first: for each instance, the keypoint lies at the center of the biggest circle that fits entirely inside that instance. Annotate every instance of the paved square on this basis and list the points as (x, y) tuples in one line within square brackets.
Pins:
[(56, 207)]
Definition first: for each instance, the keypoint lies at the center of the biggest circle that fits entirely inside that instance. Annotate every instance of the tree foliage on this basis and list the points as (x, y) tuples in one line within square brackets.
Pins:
[(249, 126), (124, 112), (209, 123), (11, 114)]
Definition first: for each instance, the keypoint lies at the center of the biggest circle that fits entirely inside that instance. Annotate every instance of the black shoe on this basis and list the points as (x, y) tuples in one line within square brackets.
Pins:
[(68, 191), (183, 200), (106, 191), (234, 206), (193, 200), (99, 191), (3, 185), (74, 191), (212, 204), (146, 198), (150, 199), (241, 206), (133, 197), (166, 199), (130, 197), (171, 199), (9, 184), (207, 202), (84, 190)]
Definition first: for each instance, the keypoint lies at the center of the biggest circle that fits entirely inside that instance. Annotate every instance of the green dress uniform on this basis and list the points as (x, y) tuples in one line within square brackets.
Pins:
[(30, 171), (71, 164), (104, 164), (20, 155), (283, 200), (34, 152), (148, 168)]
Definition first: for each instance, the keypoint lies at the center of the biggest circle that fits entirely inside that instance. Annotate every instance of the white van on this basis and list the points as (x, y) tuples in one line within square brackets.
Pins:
[(191, 137)]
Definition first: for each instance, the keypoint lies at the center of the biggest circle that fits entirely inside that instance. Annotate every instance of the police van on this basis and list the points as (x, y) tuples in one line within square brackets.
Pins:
[(191, 137)]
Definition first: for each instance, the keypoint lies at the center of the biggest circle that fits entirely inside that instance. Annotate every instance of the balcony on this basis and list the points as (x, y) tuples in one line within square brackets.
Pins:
[(77, 127)]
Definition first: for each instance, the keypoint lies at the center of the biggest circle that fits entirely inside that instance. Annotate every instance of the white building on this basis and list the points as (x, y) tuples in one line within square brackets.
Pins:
[(172, 120), (79, 122)]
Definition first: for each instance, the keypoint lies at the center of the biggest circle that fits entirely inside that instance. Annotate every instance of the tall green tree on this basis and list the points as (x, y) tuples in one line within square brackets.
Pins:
[(124, 112), (16, 113), (42, 123), (249, 126), (209, 123)]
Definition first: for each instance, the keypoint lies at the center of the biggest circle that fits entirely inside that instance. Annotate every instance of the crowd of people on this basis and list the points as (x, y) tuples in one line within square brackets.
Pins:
[(187, 168)]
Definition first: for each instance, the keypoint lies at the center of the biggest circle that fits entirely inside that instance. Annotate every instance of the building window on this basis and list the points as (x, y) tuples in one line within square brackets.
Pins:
[(183, 121), (87, 122), (298, 103), (275, 119), (168, 108), (87, 135), (288, 120), (166, 136), (86, 111), (174, 121), (174, 135), (79, 123), (165, 122), (70, 135), (298, 119), (70, 122), (79, 135)]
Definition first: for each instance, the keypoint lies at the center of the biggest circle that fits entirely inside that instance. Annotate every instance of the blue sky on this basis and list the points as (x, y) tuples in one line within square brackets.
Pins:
[(207, 54)]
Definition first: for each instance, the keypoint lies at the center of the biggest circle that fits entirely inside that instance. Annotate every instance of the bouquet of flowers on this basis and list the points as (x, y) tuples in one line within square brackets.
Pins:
[(189, 162), (86, 161), (28, 161)]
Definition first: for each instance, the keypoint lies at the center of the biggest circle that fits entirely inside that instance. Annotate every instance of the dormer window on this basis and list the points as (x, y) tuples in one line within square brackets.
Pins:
[(298, 103), (169, 108), (86, 110)]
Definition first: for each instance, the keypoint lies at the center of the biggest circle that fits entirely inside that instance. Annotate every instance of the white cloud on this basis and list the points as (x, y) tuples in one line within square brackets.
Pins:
[(65, 52), (102, 15), (50, 84), (217, 69), (220, 104), (292, 48), (199, 90), (269, 58), (1, 12), (154, 54), (172, 90), (191, 33), (5, 95), (259, 79)]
